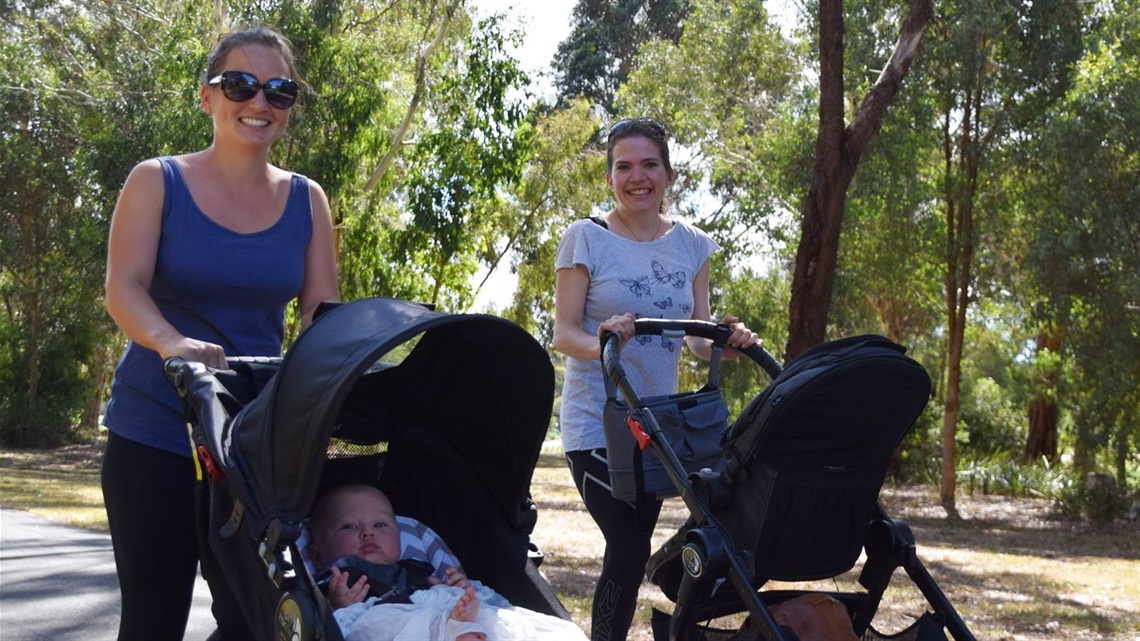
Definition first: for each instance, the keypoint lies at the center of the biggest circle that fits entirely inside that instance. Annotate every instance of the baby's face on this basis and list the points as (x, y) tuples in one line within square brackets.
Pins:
[(359, 522)]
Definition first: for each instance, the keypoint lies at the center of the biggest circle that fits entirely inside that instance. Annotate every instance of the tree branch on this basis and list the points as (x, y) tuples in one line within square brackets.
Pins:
[(870, 115), (422, 61)]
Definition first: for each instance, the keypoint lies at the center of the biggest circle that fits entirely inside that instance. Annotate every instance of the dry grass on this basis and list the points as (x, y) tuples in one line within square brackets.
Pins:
[(1013, 570), (61, 484)]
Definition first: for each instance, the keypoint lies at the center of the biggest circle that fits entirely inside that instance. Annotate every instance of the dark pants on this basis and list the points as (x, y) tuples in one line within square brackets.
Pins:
[(628, 545), (150, 499)]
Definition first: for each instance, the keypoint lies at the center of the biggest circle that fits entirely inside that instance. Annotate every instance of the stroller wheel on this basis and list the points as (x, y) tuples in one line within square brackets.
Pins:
[(290, 623)]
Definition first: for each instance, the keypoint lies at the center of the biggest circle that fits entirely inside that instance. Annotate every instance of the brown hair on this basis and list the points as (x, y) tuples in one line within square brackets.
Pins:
[(644, 127), (254, 36)]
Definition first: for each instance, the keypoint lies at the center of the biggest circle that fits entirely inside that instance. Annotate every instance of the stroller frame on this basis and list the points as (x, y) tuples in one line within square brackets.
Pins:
[(707, 553)]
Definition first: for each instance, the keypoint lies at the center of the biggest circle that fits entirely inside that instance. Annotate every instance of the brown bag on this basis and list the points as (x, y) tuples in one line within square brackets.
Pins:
[(813, 617)]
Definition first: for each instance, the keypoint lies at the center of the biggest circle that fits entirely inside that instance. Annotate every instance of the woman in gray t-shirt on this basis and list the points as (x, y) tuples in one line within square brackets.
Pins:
[(630, 263)]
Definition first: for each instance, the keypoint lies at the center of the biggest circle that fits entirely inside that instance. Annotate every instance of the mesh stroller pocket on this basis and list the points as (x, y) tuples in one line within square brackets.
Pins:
[(926, 628)]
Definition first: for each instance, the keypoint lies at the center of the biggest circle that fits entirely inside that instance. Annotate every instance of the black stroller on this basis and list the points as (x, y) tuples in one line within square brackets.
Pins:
[(797, 497), (446, 413)]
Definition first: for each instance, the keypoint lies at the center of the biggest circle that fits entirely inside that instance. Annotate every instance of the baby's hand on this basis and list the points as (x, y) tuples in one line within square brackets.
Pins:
[(454, 577), (342, 594)]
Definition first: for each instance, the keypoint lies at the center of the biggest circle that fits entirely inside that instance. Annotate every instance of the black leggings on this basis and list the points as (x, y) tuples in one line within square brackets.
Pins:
[(149, 495), (628, 544)]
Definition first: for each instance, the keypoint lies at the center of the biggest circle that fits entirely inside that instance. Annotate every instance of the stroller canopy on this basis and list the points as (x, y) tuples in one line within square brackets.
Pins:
[(472, 385)]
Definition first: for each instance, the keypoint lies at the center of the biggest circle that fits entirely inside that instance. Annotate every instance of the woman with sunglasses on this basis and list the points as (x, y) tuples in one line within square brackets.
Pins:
[(206, 251), (632, 262)]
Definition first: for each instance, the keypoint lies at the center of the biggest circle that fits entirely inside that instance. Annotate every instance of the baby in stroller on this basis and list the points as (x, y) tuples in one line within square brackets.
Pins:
[(354, 522)]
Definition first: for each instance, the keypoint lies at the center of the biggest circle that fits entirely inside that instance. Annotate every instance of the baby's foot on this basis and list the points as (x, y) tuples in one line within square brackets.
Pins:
[(467, 608)]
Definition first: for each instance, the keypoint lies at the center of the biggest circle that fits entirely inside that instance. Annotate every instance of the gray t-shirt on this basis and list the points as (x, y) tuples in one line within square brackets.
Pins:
[(651, 280)]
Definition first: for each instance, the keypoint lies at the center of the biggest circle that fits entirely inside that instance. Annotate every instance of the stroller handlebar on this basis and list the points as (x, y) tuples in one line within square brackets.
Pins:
[(180, 370), (716, 332)]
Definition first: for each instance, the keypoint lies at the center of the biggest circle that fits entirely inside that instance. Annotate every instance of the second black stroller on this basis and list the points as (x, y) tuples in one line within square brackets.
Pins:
[(797, 498), (446, 413)]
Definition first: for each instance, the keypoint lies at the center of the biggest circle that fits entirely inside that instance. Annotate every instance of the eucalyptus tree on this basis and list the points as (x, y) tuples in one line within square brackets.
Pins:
[(886, 275), (727, 91), (991, 66), (470, 148), (838, 149), (1083, 260), (85, 87), (598, 55), (563, 180)]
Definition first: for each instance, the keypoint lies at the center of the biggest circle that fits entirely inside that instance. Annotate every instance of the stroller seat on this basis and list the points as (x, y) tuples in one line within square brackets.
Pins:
[(808, 455)]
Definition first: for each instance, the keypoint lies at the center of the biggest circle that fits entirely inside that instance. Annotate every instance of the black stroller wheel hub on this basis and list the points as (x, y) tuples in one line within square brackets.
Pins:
[(691, 558)]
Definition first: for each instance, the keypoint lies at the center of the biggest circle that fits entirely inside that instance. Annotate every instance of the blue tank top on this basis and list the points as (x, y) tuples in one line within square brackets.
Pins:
[(212, 284)]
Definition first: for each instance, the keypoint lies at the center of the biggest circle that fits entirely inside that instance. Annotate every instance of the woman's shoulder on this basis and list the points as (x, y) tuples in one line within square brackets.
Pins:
[(146, 175), (581, 229), (694, 238), (685, 228), (589, 222), (150, 165)]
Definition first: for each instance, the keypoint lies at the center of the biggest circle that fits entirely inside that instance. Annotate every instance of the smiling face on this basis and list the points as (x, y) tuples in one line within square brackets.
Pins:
[(638, 175), (355, 520), (252, 122)]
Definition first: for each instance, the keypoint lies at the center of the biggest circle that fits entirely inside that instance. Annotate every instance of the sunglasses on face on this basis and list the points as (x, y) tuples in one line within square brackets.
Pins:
[(240, 86)]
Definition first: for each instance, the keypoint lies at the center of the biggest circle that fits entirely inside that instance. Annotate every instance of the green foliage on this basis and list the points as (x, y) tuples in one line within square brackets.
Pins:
[(597, 56), (1102, 503), (997, 473), (727, 89), (919, 458), (52, 97), (562, 181), (991, 421), (761, 301), (1080, 184), (425, 238)]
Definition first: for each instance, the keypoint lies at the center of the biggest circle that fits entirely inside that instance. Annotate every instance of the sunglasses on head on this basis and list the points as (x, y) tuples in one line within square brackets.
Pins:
[(240, 86), (638, 124)]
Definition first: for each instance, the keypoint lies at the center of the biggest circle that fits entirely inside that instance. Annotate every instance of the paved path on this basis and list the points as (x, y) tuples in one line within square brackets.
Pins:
[(58, 583)]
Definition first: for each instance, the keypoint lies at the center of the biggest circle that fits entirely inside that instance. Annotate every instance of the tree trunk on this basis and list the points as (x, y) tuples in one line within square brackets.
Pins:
[(100, 368), (837, 153), (23, 431), (961, 187), (1043, 417), (1044, 410), (949, 481)]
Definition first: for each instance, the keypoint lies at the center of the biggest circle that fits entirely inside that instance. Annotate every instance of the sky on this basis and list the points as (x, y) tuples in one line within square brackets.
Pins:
[(545, 23)]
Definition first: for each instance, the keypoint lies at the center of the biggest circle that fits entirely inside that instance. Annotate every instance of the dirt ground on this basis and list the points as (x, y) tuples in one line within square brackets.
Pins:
[(1013, 569)]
